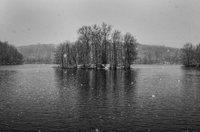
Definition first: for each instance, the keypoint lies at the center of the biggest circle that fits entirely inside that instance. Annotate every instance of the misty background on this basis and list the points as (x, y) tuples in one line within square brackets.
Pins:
[(170, 23)]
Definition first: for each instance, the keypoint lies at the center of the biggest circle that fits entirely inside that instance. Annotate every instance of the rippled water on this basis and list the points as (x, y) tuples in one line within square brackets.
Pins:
[(147, 98)]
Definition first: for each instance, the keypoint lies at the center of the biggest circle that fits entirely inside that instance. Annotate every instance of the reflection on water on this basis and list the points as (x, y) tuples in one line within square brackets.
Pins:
[(147, 98), (96, 98)]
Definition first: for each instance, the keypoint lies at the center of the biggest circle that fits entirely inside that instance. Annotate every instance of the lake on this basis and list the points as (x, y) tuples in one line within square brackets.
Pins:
[(146, 98)]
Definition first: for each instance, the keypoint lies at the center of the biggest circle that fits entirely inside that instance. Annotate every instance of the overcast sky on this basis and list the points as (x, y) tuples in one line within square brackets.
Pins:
[(154, 22)]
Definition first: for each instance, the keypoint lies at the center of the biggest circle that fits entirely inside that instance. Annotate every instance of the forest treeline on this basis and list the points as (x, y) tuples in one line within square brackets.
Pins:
[(98, 46), (154, 54), (147, 54), (191, 55), (9, 54), (38, 53)]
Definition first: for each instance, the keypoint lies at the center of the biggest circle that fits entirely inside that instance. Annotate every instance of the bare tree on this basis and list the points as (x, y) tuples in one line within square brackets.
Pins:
[(187, 54), (84, 37), (105, 33), (116, 39), (129, 49)]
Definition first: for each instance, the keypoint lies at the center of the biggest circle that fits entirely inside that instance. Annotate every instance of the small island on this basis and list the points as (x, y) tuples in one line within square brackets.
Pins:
[(98, 48)]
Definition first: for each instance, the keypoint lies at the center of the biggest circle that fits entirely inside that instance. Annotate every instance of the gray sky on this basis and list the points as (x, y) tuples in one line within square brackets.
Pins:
[(155, 22)]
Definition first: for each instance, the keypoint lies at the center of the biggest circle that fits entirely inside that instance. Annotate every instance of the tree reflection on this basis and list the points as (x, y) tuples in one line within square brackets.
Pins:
[(103, 95), (190, 82), (99, 96)]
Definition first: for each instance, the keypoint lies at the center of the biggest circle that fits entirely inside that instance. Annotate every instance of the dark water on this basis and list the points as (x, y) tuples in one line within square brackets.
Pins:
[(147, 98)]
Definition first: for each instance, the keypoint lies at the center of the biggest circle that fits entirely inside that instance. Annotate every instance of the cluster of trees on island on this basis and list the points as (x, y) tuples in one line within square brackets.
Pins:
[(9, 55), (98, 47), (191, 55)]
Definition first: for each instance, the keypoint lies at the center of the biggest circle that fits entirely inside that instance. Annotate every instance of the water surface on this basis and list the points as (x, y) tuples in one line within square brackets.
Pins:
[(146, 98)]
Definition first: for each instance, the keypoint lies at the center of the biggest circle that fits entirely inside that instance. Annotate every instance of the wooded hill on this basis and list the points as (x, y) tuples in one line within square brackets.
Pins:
[(154, 54), (9, 54), (147, 54), (39, 53)]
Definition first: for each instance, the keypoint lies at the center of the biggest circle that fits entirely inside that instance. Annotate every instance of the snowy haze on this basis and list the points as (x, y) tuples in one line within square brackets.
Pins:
[(154, 22)]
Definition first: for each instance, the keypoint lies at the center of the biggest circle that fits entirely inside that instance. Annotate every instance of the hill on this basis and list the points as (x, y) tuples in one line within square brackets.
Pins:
[(153, 54), (39, 53)]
